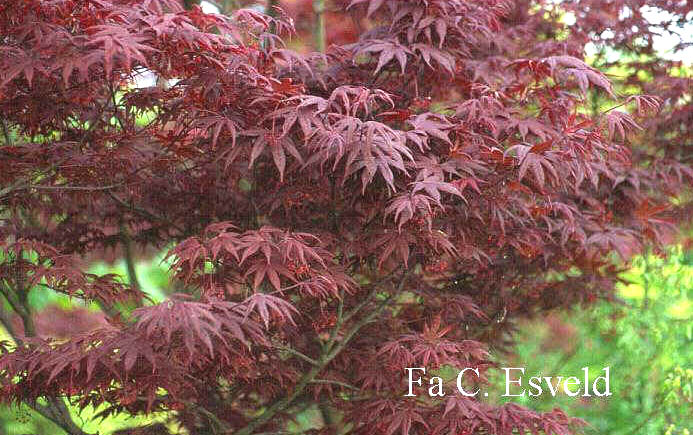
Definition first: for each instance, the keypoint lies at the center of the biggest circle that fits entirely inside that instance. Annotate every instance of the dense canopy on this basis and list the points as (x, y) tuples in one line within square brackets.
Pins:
[(401, 199)]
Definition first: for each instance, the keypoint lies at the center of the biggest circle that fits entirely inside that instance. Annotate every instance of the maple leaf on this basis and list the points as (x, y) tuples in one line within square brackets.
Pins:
[(217, 124), (441, 57), (197, 324), (388, 50), (331, 216), (368, 147), (268, 306), (433, 125), (536, 127), (620, 122), (540, 163), (355, 99), (373, 5), (403, 420), (646, 103), (278, 146), (405, 206), (393, 245), (22, 62), (118, 42), (583, 73), (623, 241), (433, 186)]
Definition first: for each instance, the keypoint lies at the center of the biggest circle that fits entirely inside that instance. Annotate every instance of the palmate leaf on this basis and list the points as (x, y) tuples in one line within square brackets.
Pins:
[(159, 6), (433, 125), (268, 257), (353, 100), (403, 420), (64, 273), (430, 180), (17, 63), (646, 104), (268, 306), (621, 123), (530, 125), (538, 160), (118, 43), (388, 50), (394, 416), (583, 73), (466, 408), (198, 325), (623, 241), (431, 349), (373, 5), (278, 145), (442, 58), (216, 124), (405, 206), (368, 148)]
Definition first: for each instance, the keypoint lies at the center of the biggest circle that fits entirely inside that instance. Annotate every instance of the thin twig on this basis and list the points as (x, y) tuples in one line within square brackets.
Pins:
[(6, 132), (130, 262), (329, 381), (145, 213), (326, 357), (298, 354), (319, 29), (56, 411), (85, 188)]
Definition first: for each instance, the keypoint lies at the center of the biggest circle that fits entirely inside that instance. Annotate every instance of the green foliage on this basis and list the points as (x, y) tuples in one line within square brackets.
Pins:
[(15, 420), (152, 274), (22, 420), (647, 340)]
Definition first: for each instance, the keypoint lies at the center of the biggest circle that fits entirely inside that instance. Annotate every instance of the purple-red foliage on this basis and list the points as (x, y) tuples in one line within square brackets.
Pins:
[(398, 201)]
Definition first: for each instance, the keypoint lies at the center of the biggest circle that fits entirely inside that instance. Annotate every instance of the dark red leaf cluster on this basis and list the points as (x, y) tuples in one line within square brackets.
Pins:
[(440, 172)]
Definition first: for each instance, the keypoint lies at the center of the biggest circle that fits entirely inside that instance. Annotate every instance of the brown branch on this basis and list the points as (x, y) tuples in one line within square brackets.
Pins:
[(328, 354), (130, 262), (6, 321), (80, 188), (298, 354), (24, 183), (58, 415), (272, 8), (145, 213), (6, 132), (319, 25), (56, 410), (331, 382)]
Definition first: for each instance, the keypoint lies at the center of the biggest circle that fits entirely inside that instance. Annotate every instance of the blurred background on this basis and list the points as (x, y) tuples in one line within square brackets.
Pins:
[(645, 337)]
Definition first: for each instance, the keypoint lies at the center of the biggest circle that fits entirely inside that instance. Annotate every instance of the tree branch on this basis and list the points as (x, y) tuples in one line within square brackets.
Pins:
[(329, 381), (130, 261), (56, 411), (319, 25), (58, 415), (298, 354), (79, 188), (145, 213), (328, 354), (6, 132)]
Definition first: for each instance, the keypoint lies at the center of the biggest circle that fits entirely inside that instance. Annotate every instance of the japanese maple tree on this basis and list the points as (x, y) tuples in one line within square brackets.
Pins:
[(441, 170)]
